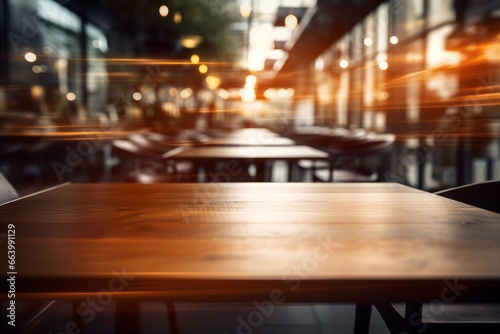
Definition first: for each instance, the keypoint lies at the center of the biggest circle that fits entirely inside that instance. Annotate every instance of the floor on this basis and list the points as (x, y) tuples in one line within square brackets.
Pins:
[(225, 319)]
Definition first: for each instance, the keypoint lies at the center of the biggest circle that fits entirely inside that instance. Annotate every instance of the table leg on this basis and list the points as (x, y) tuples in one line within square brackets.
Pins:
[(291, 167), (413, 313), (331, 169), (172, 318), (362, 318), (127, 317), (260, 171), (77, 317)]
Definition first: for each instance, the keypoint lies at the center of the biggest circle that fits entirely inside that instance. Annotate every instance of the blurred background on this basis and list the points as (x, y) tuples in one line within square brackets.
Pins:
[(91, 90)]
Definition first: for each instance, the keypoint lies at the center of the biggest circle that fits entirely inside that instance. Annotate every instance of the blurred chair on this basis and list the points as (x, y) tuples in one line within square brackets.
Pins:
[(455, 317), (29, 314), (138, 163), (7, 191), (356, 158), (484, 195)]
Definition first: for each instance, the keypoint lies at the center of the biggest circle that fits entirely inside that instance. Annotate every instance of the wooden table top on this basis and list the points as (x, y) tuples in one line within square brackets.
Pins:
[(199, 240), (250, 141), (251, 132), (295, 152)]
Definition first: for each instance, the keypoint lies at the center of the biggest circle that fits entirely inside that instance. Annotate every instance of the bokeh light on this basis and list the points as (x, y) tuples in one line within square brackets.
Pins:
[(203, 69), (137, 96), (344, 63), (164, 11), (30, 57), (195, 59), (71, 96)]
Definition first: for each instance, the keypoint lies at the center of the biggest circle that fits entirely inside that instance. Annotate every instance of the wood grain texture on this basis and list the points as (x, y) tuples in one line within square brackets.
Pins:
[(235, 239)]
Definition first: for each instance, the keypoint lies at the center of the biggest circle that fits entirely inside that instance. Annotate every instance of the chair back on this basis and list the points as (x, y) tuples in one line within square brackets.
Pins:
[(484, 195), (7, 191)]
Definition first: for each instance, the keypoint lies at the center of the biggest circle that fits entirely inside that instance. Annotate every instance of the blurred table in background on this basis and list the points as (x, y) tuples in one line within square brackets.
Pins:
[(237, 158)]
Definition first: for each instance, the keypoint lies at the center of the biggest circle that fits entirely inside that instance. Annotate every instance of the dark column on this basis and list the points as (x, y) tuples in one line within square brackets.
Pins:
[(4, 42), (84, 56)]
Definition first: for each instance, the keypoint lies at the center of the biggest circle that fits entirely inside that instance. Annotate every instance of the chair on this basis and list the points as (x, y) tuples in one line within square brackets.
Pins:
[(7, 191), (456, 317), (348, 159), (138, 163), (29, 314), (484, 195)]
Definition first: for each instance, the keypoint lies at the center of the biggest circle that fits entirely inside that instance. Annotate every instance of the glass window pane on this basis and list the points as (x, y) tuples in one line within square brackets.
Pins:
[(440, 12)]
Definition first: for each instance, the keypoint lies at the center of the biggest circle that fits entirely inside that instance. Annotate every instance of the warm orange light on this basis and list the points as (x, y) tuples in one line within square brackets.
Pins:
[(137, 96), (191, 41), (203, 69), (186, 93), (173, 91), (245, 10), (71, 96), (248, 95), (213, 82), (269, 93), (291, 22), (383, 65), (224, 94), (344, 63), (368, 41), (178, 17), (62, 63), (164, 10), (394, 40), (36, 92), (195, 59), (251, 80)]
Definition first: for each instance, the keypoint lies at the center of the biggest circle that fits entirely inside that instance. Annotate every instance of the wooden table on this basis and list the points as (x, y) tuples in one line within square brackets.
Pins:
[(238, 156), (252, 132), (250, 141), (362, 243)]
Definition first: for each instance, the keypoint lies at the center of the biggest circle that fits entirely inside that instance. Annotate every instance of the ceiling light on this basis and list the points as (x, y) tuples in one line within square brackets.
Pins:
[(245, 9), (291, 22)]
